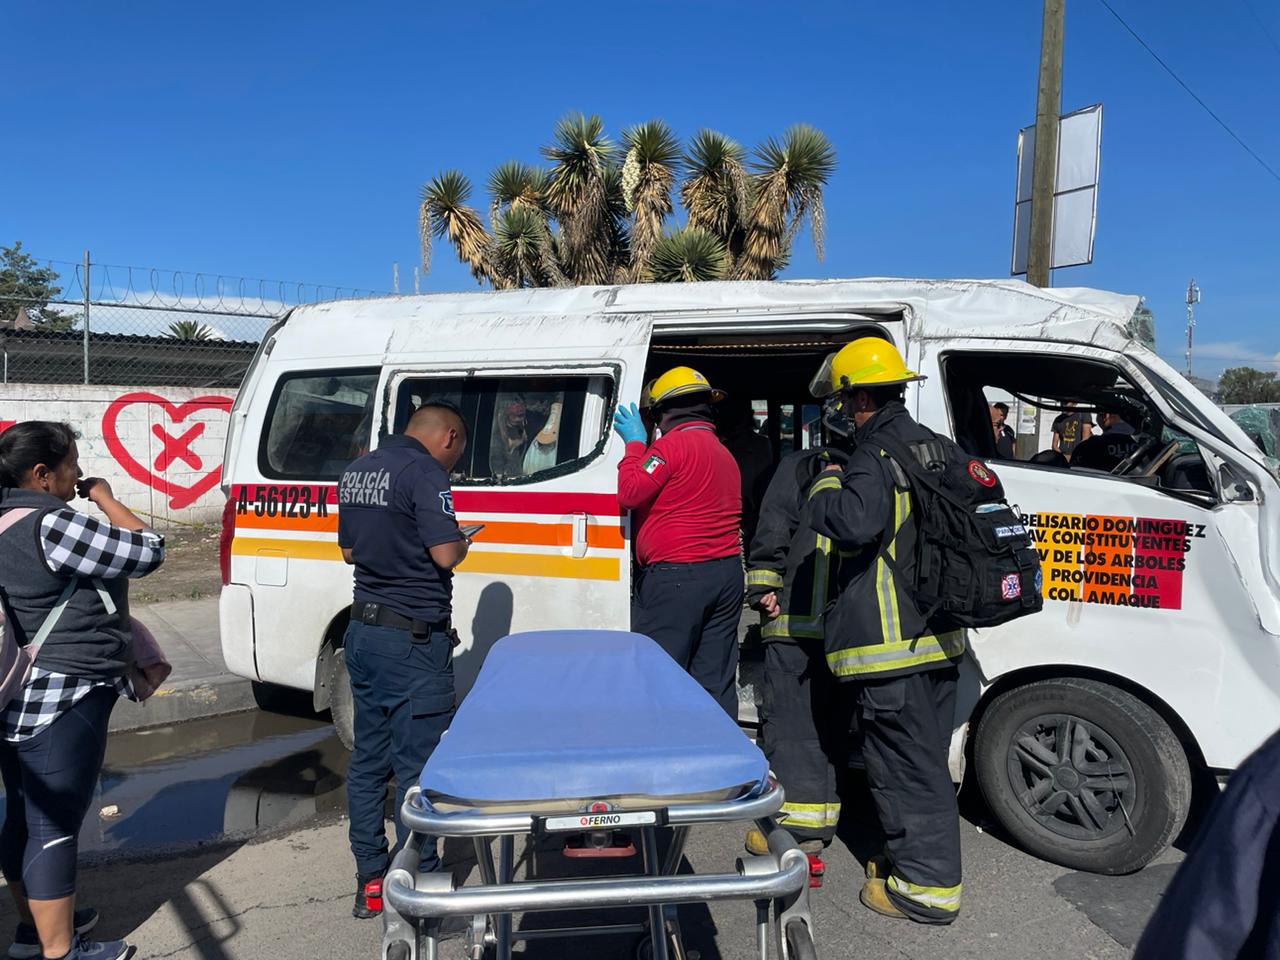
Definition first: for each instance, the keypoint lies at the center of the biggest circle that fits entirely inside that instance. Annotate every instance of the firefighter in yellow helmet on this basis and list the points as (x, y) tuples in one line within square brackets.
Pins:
[(684, 491), (903, 676)]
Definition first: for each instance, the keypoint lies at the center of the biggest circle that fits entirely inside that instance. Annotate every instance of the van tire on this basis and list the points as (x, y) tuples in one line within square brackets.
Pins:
[(342, 707), (1115, 740)]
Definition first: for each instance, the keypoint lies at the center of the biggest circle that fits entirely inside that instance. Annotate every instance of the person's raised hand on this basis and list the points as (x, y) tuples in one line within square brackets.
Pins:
[(95, 490), (629, 425)]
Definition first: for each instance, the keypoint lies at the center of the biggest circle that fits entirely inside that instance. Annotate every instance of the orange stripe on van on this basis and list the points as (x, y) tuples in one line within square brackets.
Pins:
[(515, 564), (546, 534)]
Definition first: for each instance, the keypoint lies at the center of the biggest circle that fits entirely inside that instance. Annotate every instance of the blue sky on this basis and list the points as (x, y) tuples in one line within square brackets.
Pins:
[(290, 140)]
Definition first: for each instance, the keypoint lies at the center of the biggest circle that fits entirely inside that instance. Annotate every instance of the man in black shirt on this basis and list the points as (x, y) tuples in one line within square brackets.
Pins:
[(1005, 437), (1070, 429), (396, 525), (1106, 450)]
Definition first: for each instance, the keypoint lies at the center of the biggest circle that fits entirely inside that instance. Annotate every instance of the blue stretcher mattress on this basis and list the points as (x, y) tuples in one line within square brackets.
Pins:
[(587, 714)]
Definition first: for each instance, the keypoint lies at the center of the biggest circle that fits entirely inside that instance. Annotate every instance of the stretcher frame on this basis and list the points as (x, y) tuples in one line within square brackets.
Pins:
[(415, 904)]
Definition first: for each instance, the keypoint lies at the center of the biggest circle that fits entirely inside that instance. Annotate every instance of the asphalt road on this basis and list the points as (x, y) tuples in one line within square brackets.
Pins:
[(287, 897)]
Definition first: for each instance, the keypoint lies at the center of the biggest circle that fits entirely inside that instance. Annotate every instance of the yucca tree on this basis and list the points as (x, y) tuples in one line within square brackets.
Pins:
[(716, 192), (581, 159), (788, 179), (687, 255), (444, 213), (599, 214), (523, 252), (648, 177)]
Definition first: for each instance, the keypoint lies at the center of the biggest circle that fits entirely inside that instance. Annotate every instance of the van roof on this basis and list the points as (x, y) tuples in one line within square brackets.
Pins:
[(931, 308)]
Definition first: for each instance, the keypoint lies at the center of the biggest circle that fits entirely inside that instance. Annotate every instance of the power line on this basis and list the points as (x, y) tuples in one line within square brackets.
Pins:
[(1261, 26), (1169, 70)]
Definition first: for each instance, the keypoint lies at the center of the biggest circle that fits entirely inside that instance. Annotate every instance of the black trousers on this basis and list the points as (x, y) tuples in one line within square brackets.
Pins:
[(805, 722), (906, 727), (692, 611), (49, 781)]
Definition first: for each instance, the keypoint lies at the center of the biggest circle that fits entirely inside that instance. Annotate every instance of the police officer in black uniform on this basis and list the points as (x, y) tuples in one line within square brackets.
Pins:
[(396, 525)]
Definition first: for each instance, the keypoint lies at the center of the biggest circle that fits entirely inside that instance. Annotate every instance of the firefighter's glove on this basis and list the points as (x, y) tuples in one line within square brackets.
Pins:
[(629, 425)]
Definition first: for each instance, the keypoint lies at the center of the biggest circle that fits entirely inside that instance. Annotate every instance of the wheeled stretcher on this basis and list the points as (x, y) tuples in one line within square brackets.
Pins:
[(592, 733)]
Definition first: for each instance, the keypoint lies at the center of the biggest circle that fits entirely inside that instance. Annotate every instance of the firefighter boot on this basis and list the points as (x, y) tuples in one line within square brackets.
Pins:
[(874, 896), (878, 867)]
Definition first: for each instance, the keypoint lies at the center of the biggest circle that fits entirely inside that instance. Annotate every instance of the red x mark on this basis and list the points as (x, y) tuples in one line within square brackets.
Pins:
[(177, 448)]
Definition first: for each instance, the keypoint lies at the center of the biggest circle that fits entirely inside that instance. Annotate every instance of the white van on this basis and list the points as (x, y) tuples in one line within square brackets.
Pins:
[(1155, 661)]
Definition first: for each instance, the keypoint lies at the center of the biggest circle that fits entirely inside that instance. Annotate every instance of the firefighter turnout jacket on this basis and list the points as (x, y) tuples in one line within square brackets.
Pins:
[(873, 630), (805, 714), (787, 556)]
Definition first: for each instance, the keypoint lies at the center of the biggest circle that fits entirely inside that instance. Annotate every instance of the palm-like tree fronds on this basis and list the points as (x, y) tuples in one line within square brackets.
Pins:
[(686, 255), (444, 213), (523, 254), (789, 177), (716, 191), (581, 156), (190, 330), (515, 184), (597, 215), (648, 175)]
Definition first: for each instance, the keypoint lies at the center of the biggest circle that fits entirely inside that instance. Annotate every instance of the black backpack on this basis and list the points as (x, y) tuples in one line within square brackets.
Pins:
[(976, 564)]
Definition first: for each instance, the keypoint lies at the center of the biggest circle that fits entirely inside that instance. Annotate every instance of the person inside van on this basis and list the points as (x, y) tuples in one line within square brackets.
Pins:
[(510, 437), (1109, 448), (541, 454), (59, 568), (1004, 434), (752, 452), (1070, 429)]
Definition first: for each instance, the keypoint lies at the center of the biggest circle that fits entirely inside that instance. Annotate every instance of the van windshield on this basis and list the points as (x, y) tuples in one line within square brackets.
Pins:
[(317, 424)]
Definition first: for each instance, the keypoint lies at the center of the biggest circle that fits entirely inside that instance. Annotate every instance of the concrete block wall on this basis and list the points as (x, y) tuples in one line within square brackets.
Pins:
[(159, 447)]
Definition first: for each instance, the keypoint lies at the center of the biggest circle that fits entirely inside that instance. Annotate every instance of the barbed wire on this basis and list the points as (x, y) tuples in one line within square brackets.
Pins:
[(192, 292)]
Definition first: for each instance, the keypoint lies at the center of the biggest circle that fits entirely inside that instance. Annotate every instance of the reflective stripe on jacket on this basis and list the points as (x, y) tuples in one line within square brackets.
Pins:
[(786, 555), (874, 629)]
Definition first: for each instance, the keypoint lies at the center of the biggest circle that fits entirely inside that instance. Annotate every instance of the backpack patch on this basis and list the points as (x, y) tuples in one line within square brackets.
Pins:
[(982, 473)]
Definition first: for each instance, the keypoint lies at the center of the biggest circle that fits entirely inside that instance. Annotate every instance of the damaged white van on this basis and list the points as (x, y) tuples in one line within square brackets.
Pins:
[(1156, 660)]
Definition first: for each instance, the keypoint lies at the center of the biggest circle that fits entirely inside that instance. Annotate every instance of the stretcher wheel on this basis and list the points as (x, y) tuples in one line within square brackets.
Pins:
[(800, 944), (398, 951)]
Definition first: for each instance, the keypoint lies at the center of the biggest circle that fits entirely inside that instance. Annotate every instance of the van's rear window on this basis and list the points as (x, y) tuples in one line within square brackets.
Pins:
[(318, 423)]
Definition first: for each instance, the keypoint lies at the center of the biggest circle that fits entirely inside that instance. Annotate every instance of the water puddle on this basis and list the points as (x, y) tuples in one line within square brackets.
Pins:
[(221, 778)]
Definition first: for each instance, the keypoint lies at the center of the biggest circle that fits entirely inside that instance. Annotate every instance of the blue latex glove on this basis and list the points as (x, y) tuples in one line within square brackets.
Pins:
[(629, 425)]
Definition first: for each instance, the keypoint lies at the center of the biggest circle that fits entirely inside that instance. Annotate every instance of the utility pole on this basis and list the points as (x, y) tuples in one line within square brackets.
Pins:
[(1045, 169), (1193, 297)]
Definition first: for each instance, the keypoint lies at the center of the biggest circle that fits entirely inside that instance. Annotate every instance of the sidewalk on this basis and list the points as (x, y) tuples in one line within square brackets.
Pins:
[(200, 685)]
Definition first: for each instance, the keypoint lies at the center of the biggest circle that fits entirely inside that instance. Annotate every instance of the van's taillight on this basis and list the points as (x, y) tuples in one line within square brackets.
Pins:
[(224, 541)]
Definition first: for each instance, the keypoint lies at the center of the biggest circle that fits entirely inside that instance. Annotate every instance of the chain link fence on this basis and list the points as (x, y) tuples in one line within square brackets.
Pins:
[(102, 324)]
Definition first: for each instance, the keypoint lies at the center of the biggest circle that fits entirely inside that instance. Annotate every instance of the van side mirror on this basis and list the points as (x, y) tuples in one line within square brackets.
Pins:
[(1234, 487)]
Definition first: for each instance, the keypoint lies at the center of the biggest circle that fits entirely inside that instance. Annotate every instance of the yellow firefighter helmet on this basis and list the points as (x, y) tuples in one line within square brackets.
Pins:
[(679, 382), (866, 362)]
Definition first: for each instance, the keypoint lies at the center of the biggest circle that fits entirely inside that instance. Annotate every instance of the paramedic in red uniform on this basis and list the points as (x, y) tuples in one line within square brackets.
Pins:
[(686, 496)]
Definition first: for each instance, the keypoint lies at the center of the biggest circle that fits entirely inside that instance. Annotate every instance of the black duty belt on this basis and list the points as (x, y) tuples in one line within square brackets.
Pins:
[(376, 615)]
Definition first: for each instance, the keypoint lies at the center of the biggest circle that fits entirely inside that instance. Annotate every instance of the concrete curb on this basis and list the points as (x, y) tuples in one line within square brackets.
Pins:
[(185, 700)]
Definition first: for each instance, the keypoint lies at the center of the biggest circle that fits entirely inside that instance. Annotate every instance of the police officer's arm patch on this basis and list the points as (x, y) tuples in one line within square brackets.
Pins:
[(446, 502), (652, 464)]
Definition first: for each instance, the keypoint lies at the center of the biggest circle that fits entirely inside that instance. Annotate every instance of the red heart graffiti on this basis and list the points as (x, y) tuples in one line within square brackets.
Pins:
[(176, 447)]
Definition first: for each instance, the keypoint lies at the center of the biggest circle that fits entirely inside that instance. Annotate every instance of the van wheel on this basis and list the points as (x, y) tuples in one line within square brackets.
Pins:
[(342, 706), (1083, 774)]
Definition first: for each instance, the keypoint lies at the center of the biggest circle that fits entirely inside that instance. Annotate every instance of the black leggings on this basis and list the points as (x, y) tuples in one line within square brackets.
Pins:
[(48, 782)]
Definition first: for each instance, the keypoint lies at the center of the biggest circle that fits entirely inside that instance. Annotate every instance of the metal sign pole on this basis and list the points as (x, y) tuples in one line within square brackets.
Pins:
[(86, 316)]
